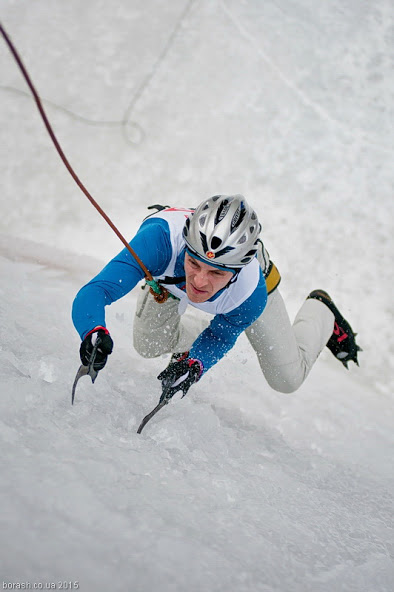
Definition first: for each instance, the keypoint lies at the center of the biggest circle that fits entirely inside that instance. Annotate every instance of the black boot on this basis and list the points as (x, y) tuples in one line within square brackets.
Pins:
[(342, 342)]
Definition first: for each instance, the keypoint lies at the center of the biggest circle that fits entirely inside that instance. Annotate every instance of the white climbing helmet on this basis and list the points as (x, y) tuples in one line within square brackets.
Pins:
[(223, 231)]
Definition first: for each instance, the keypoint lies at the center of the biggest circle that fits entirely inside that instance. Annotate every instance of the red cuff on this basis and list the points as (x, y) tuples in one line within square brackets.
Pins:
[(194, 360), (97, 329)]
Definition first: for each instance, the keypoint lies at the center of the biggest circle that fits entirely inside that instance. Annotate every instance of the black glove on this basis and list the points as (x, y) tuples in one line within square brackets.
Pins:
[(98, 336), (179, 376)]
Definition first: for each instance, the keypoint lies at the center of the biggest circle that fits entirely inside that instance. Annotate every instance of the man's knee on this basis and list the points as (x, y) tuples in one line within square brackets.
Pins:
[(285, 388), (284, 382)]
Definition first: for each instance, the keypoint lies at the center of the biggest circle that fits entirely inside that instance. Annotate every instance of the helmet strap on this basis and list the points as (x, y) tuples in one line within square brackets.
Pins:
[(234, 278)]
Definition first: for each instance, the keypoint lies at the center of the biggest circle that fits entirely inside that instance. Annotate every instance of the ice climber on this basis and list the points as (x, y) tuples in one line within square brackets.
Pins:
[(212, 259)]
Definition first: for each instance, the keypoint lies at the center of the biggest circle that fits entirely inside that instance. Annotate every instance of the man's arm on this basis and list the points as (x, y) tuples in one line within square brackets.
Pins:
[(152, 244), (215, 341)]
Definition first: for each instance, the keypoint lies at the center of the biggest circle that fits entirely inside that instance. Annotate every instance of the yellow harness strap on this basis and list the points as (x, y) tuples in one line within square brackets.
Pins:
[(272, 278)]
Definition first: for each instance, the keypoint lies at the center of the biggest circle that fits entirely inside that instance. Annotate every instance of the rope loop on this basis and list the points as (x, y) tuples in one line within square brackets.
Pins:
[(159, 293)]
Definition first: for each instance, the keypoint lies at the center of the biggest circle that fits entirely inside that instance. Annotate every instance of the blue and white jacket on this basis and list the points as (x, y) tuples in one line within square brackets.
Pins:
[(160, 245)]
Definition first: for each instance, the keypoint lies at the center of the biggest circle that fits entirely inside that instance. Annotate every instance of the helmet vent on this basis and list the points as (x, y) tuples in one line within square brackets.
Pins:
[(237, 218), (186, 228), (242, 240), (222, 211), (201, 220), (249, 256), (216, 242)]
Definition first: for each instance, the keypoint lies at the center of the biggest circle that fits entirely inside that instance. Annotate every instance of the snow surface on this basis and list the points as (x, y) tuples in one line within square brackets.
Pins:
[(235, 487)]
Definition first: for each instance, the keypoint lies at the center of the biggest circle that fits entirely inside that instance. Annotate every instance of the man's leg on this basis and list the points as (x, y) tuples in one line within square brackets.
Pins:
[(158, 329), (286, 352)]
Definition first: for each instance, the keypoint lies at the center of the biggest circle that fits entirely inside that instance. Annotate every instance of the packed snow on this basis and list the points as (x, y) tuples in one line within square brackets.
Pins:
[(235, 487)]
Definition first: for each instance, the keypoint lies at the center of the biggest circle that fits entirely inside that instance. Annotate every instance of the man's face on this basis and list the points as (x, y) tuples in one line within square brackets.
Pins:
[(203, 280)]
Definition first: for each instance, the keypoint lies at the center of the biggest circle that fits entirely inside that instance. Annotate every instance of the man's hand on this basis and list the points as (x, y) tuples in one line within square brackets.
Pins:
[(179, 376), (101, 338)]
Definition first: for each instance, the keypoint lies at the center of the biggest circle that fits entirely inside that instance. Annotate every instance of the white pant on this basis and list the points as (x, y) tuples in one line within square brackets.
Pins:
[(286, 352)]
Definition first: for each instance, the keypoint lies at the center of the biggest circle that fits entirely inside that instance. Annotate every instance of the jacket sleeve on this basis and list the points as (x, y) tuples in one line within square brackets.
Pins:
[(152, 244), (217, 339)]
